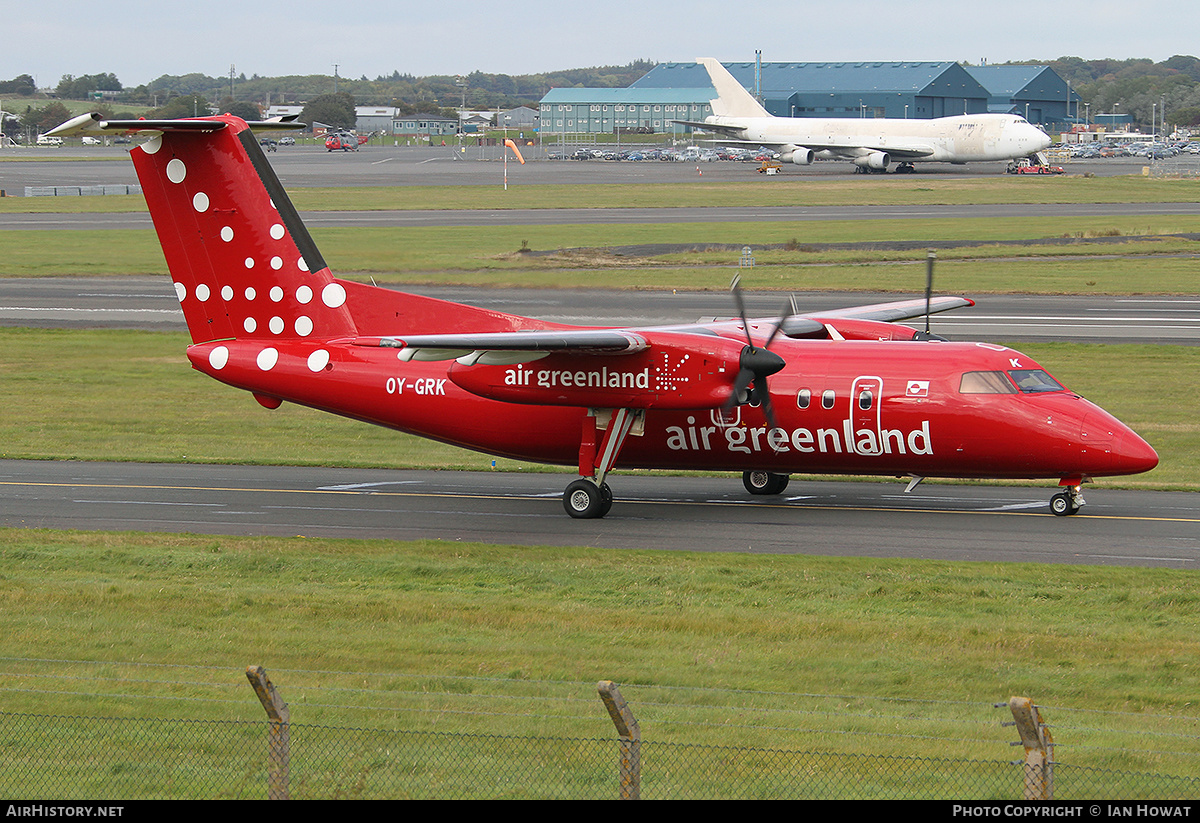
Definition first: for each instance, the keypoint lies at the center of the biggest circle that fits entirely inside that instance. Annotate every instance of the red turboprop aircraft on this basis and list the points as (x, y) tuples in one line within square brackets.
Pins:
[(850, 392)]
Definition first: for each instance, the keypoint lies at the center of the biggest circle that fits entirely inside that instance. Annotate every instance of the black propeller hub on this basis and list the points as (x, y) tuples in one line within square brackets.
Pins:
[(760, 362)]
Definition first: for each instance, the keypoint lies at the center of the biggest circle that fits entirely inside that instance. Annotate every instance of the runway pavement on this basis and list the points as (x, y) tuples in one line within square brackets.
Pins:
[(376, 165), (150, 303), (945, 522)]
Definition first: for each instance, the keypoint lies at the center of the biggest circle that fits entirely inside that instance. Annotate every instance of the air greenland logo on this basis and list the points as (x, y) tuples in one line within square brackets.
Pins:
[(577, 379), (751, 440)]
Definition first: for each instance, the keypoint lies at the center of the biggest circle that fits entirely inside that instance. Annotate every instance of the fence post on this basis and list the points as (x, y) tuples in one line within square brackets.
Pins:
[(630, 735), (1039, 749), (279, 738)]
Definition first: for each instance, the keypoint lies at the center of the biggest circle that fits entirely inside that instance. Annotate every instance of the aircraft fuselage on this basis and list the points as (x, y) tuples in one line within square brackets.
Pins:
[(842, 407), (961, 139)]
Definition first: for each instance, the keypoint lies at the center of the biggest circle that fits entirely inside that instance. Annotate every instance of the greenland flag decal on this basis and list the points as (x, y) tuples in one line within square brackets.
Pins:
[(917, 388)]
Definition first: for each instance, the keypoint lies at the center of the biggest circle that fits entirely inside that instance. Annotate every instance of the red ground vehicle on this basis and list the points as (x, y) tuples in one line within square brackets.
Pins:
[(1025, 167)]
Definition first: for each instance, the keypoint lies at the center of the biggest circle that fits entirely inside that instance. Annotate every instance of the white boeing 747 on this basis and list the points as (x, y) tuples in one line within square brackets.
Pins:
[(872, 145)]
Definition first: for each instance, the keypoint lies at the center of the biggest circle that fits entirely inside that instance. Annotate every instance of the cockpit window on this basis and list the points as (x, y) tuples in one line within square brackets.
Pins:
[(1030, 381), (986, 382)]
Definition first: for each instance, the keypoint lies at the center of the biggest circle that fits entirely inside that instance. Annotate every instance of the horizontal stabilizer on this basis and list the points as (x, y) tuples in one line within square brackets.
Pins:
[(94, 123)]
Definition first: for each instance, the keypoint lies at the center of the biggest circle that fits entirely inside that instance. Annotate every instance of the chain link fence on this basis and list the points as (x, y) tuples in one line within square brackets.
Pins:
[(1180, 165), (112, 757)]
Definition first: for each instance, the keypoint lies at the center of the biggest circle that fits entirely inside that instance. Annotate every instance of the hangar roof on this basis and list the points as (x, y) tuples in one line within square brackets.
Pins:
[(788, 78), (1015, 83), (631, 95)]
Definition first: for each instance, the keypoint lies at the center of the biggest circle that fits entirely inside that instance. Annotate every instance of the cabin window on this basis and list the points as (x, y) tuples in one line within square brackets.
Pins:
[(986, 382), (827, 399), (803, 398), (865, 399), (1032, 381)]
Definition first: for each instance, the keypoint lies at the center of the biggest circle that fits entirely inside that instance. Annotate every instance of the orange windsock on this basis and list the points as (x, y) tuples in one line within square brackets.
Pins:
[(516, 151)]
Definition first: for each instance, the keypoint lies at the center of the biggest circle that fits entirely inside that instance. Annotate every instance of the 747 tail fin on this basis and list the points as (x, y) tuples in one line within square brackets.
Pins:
[(732, 99)]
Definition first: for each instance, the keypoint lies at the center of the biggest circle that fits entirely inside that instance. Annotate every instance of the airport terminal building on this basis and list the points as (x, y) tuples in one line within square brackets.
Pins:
[(919, 90)]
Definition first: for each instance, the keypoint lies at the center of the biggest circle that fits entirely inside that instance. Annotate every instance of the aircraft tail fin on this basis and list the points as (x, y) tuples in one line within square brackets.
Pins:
[(243, 263), (732, 99)]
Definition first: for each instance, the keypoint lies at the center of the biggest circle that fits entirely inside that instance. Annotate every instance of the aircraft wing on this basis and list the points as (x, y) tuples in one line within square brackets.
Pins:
[(497, 346), (733, 135), (892, 312), (557, 341), (899, 152)]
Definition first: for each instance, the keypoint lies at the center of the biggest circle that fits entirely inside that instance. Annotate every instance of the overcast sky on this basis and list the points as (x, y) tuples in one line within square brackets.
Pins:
[(139, 40)]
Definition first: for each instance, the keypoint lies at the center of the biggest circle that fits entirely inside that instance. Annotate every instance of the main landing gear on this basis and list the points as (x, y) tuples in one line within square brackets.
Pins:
[(1068, 502), (585, 499), (763, 482), (604, 432)]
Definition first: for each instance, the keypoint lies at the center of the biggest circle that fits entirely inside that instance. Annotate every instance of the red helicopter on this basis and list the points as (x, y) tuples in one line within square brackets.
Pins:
[(344, 141), (842, 392)]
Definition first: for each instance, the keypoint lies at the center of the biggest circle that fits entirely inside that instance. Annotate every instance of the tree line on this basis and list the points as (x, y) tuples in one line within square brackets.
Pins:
[(1140, 88)]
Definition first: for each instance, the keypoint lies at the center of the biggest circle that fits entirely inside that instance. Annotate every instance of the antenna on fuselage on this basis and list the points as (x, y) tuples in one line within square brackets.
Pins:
[(930, 257)]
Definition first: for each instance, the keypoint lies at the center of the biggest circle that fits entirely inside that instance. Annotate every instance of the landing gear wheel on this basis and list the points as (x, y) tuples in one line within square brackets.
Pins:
[(1063, 504), (584, 500), (606, 499), (762, 482)]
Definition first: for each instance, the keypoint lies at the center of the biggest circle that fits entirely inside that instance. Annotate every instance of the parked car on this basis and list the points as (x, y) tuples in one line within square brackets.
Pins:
[(287, 141), (43, 140)]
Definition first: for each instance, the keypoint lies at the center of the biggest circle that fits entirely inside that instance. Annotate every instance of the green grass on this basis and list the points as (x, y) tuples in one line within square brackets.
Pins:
[(492, 256), (70, 393), (759, 192), (523, 619), (131, 395)]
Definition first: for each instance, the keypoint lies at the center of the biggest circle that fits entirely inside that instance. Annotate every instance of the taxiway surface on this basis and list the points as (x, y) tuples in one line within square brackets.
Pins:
[(944, 522), (151, 303)]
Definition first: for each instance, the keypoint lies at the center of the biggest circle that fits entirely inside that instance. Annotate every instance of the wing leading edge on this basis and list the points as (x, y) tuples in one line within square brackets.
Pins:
[(513, 346)]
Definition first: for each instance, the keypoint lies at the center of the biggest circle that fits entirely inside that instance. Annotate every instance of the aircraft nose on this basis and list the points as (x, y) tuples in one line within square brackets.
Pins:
[(1117, 448), (1038, 139), (1132, 454)]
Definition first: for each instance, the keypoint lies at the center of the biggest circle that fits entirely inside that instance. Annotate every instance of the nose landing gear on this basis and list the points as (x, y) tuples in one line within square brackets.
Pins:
[(1068, 502)]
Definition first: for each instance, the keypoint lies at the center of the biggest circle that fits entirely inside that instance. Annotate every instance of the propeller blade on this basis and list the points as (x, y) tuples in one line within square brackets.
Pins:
[(787, 312), (769, 413), (735, 287)]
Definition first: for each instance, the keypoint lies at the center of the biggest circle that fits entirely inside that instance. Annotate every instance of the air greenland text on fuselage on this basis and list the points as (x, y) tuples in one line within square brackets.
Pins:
[(844, 440), (601, 378)]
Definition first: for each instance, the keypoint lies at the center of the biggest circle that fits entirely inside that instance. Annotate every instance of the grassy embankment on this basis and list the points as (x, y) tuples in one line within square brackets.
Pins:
[(751, 640)]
